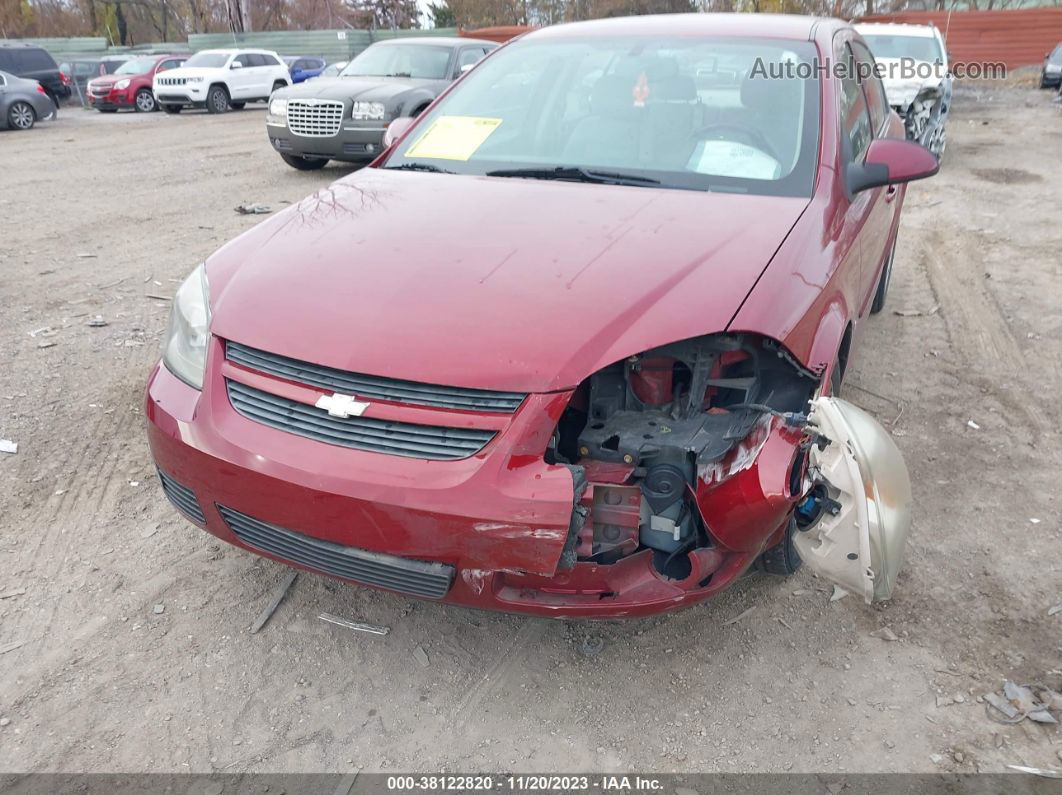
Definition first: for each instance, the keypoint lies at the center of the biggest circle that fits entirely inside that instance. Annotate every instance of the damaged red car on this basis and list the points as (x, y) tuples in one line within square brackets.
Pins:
[(572, 346)]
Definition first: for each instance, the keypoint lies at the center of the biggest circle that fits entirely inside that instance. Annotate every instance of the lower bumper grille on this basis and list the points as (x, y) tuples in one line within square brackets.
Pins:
[(182, 497), (360, 433), (319, 119), (414, 577)]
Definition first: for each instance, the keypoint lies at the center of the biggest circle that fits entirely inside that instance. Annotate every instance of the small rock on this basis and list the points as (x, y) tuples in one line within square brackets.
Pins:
[(96, 322), (5, 721), (7, 446), (1054, 609), (884, 634), (960, 699), (421, 656), (160, 609), (945, 701), (958, 757), (838, 593), (936, 759)]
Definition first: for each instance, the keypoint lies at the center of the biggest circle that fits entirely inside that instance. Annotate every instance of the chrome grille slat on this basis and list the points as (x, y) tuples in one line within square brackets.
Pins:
[(373, 387), (415, 577), (317, 119), (360, 433)]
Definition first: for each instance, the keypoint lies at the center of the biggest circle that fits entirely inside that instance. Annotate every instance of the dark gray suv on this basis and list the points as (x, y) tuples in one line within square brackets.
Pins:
[(344, 118)]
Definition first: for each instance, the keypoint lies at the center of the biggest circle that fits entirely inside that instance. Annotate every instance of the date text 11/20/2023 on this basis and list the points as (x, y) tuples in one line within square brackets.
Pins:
[(524, 783)]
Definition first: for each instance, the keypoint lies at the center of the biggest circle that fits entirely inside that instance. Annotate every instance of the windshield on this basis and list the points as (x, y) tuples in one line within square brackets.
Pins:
[(427, 62), (140, 66), (208, 60), (693, 113), (918, 48)]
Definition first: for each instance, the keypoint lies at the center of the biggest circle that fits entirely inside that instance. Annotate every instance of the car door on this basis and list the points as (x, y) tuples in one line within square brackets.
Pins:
[(876, 238), (241, 78), (856, 134)]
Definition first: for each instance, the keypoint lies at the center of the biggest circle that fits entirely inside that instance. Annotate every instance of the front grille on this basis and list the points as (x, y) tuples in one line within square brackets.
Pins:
[(99, 91), (414, 577), (360, 433), (370, 386), (182, 497), (316, 119), (171, 81)]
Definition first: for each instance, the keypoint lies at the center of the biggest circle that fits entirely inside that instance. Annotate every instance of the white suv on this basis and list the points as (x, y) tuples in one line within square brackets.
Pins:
[(220, 80)]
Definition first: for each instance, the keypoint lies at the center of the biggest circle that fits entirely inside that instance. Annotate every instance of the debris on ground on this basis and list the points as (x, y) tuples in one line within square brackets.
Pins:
[(87, 255), (421, 656), (372, 629), (160, 609), (1054, 610), (884, 634), (1019, 702), (12, 592), (11, 646), (973, 425), (1045, 772), (738, 617), (96, 322), (917, 312), (8, 446), (838, 593), (46, 344), (592, 645), (274, 602), (158, 297), (253, 209)]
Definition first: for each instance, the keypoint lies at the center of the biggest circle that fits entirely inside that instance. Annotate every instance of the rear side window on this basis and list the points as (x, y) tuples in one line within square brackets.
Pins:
[(855, 116), (26, 59), (268, 60)]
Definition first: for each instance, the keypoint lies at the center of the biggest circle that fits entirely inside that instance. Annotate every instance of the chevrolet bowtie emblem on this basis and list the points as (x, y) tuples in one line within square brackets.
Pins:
[(341, 406)]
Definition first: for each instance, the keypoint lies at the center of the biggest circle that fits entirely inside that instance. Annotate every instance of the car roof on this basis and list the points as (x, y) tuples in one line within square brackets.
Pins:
[(897, 29), (442, 41), (23, 44), (775, 26)]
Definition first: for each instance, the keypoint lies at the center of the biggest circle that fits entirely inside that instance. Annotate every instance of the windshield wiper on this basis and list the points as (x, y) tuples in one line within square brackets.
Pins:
[(419, 167), (576, 175)]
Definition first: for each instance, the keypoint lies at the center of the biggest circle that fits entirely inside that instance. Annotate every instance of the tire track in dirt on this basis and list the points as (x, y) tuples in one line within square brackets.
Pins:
[(976, 327)]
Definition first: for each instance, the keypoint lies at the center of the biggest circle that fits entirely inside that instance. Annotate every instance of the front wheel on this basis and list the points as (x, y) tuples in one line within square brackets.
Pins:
[(21, 116), (305, 163), (883, 283), (217, 100), (145, 101)]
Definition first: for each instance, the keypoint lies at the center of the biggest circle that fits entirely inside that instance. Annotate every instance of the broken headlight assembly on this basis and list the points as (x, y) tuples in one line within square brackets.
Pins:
[(650, 433), (185, 345)]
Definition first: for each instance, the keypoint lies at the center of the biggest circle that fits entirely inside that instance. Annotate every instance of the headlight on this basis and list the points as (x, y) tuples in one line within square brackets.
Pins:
[(121, 84), (184, 352), (278, 107), (368, 110)]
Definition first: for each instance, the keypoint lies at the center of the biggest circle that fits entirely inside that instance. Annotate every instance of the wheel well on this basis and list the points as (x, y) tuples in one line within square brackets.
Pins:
[(420, 108), (219, 85)]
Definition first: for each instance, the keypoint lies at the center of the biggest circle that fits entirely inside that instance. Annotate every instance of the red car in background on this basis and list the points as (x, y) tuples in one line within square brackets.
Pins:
[(572, 345), (130, 85)]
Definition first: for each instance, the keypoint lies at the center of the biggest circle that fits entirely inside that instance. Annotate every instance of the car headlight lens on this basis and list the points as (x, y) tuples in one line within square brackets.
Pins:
[(121, 84), (368, 110), (184, 351), (278, 107)]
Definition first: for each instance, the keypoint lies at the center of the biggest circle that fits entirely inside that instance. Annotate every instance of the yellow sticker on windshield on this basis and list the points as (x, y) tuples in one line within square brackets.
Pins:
[(453, 137)]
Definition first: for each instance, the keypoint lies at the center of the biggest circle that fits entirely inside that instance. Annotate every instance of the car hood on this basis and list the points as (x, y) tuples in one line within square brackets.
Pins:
[(366, 89), (183, 71), (495, 283)]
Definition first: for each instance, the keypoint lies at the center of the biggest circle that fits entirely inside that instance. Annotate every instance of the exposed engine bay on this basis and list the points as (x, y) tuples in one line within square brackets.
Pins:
[(650, 438)]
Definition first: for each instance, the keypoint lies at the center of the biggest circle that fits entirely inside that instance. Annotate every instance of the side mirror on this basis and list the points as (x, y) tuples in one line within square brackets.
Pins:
[(235, 65), (466, 67), (891, 161), (396, 129)]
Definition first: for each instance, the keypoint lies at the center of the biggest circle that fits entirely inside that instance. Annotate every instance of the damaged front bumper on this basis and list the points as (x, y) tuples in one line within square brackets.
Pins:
[(650, 519)]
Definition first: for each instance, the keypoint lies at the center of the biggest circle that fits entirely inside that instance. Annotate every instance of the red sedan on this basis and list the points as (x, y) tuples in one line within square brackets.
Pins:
[(130, 85), (572, 345)]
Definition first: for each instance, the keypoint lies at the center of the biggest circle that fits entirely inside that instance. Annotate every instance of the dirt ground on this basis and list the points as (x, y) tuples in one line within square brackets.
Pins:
[(135, 647)]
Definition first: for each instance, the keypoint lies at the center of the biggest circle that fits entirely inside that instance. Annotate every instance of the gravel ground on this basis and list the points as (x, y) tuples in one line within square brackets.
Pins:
[(135, 648)]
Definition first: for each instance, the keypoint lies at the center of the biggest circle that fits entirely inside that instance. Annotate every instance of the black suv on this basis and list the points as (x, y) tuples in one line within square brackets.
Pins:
[(34, 63)]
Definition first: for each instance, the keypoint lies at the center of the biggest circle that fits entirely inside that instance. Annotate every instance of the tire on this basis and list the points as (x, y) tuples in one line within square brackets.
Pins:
[(172, 109), (21, 116), (145, 101), (782, 559), (305, 163), (55, 102), (883, 283), (217, 100)]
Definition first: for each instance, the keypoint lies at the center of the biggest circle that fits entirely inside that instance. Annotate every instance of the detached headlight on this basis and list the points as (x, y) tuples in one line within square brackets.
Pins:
[(278, 107), (368, 110), (121, 84), (184, 351)]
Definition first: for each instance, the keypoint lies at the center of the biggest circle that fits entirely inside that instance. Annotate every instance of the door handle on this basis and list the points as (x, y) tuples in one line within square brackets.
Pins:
[(891, 192)]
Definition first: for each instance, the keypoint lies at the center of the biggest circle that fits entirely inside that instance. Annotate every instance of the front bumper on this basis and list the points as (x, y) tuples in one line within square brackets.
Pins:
[(114, 100), (186, 96), (495, 524), (355, 142)]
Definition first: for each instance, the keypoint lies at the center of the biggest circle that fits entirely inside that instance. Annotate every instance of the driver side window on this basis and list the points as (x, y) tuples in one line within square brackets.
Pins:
[(855, 116)]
